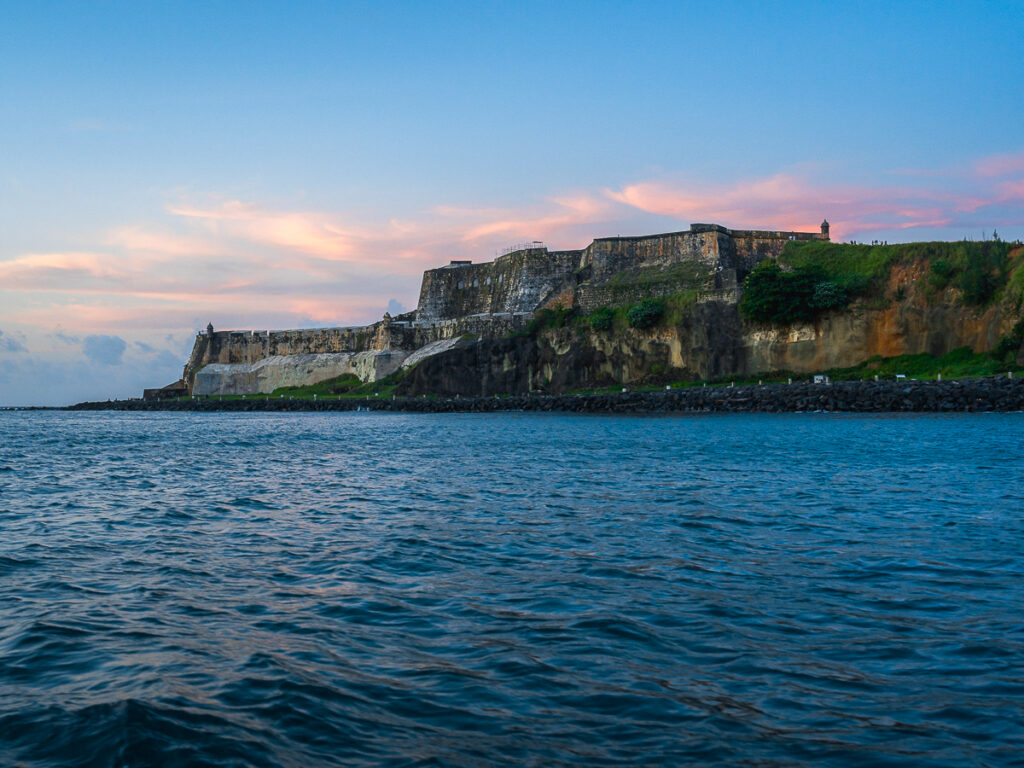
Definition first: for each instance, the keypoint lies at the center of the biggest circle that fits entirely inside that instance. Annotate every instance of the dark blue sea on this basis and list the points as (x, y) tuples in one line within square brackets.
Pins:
[(511, 589)]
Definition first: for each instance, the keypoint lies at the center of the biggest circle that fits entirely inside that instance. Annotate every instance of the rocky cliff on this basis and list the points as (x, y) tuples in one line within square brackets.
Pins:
[(905, 314)]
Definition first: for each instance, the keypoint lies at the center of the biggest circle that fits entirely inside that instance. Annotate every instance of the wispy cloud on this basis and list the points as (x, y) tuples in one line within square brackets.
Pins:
[(309, 233), (1008, 164), (11, 345), (106, 350), (249, 264), (948, 199)]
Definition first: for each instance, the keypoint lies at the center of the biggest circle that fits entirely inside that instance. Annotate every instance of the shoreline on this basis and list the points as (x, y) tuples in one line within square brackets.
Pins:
[(1001, 394)]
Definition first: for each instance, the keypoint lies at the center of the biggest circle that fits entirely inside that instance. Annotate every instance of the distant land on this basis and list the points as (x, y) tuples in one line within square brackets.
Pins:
[(709, 304)]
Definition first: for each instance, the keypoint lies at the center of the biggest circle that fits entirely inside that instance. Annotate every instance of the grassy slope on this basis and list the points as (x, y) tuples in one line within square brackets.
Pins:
[(981, 272)]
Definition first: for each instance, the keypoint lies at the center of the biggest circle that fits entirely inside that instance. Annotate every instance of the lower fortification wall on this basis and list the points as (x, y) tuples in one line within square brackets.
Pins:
[(270, 373)]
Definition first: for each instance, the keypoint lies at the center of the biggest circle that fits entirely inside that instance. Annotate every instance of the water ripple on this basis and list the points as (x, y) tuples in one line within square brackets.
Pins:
[(538, 589)]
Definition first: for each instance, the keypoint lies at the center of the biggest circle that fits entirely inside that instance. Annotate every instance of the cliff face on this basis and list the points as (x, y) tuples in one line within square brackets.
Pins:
[(711, 341)]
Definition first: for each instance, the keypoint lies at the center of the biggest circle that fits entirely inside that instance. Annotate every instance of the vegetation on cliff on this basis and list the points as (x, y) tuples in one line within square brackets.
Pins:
[(648, 313), (773, 295), (813, 277), (345, 386)]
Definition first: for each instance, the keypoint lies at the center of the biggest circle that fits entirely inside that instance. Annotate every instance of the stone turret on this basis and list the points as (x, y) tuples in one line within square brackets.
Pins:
[(824, 230)]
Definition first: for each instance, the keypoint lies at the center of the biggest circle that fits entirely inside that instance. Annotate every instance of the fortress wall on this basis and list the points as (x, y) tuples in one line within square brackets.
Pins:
[(231, 360), (609, 256), (248, 347), (267, 374), (751, 248), (515, 282), (590, 297), (481, 325)]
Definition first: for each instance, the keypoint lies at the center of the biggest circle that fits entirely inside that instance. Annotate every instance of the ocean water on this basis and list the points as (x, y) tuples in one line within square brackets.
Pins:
[(511, 589)]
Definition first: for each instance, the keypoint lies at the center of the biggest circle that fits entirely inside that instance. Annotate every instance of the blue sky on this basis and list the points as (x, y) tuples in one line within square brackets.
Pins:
[(288, 165)]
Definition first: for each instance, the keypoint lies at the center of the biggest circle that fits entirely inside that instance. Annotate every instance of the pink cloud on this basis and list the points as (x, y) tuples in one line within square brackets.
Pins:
[(263, 266), (140, 239), (787, 201), (1000, 165), (309, 233), (559, 216), (1011, 191), (778, 202)]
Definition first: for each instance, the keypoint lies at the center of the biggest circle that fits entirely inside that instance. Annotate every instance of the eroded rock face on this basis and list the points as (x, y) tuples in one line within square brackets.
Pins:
[(908, 327), (712, 341)]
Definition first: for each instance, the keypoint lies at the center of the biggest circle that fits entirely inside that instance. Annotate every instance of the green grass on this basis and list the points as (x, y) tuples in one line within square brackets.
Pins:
[(820, 276), (616, 319), (854, 268), (959, 364), (345, 386), (550, 318), (1014, 290), (686, 272)]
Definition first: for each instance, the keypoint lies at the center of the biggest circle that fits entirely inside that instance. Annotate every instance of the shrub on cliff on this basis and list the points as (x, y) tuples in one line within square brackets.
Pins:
[(977, 270), (828, 295), (550, 318), (853, 268), (645, 314), (601, 319), (773, 296)]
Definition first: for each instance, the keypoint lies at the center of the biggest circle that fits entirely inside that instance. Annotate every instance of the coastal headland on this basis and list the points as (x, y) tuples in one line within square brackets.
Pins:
[(700, 305)]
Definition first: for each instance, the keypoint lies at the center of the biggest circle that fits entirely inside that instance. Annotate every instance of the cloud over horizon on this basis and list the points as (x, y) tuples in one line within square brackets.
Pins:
[(11, 345), (106, 350)]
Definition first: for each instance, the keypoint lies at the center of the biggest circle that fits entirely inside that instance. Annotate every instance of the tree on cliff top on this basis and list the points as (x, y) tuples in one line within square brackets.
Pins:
[(773, 296)]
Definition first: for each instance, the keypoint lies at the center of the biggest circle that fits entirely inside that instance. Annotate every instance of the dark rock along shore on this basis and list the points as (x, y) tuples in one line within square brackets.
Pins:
[(972, 395)]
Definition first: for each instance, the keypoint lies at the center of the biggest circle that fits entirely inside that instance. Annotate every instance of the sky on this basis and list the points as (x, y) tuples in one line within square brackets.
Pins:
[(289, 165)]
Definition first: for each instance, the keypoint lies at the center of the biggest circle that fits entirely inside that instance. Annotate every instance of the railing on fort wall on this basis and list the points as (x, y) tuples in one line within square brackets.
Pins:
[(530, 246)]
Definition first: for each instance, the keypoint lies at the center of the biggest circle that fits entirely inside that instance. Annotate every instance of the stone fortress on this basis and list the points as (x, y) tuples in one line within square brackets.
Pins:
[(488, 301)]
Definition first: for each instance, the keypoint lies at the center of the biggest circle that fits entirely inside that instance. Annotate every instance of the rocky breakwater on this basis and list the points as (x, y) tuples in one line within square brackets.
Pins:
[(969, 395)]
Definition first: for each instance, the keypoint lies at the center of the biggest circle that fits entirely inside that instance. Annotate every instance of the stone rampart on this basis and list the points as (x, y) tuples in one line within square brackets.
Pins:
[(265, 375), (516, 282)]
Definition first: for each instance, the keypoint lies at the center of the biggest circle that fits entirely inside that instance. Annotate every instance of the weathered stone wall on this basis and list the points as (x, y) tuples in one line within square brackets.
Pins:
[(251, 347), (515, 282), (237, 358), (711, 341), (609, 256), (265, 375)]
